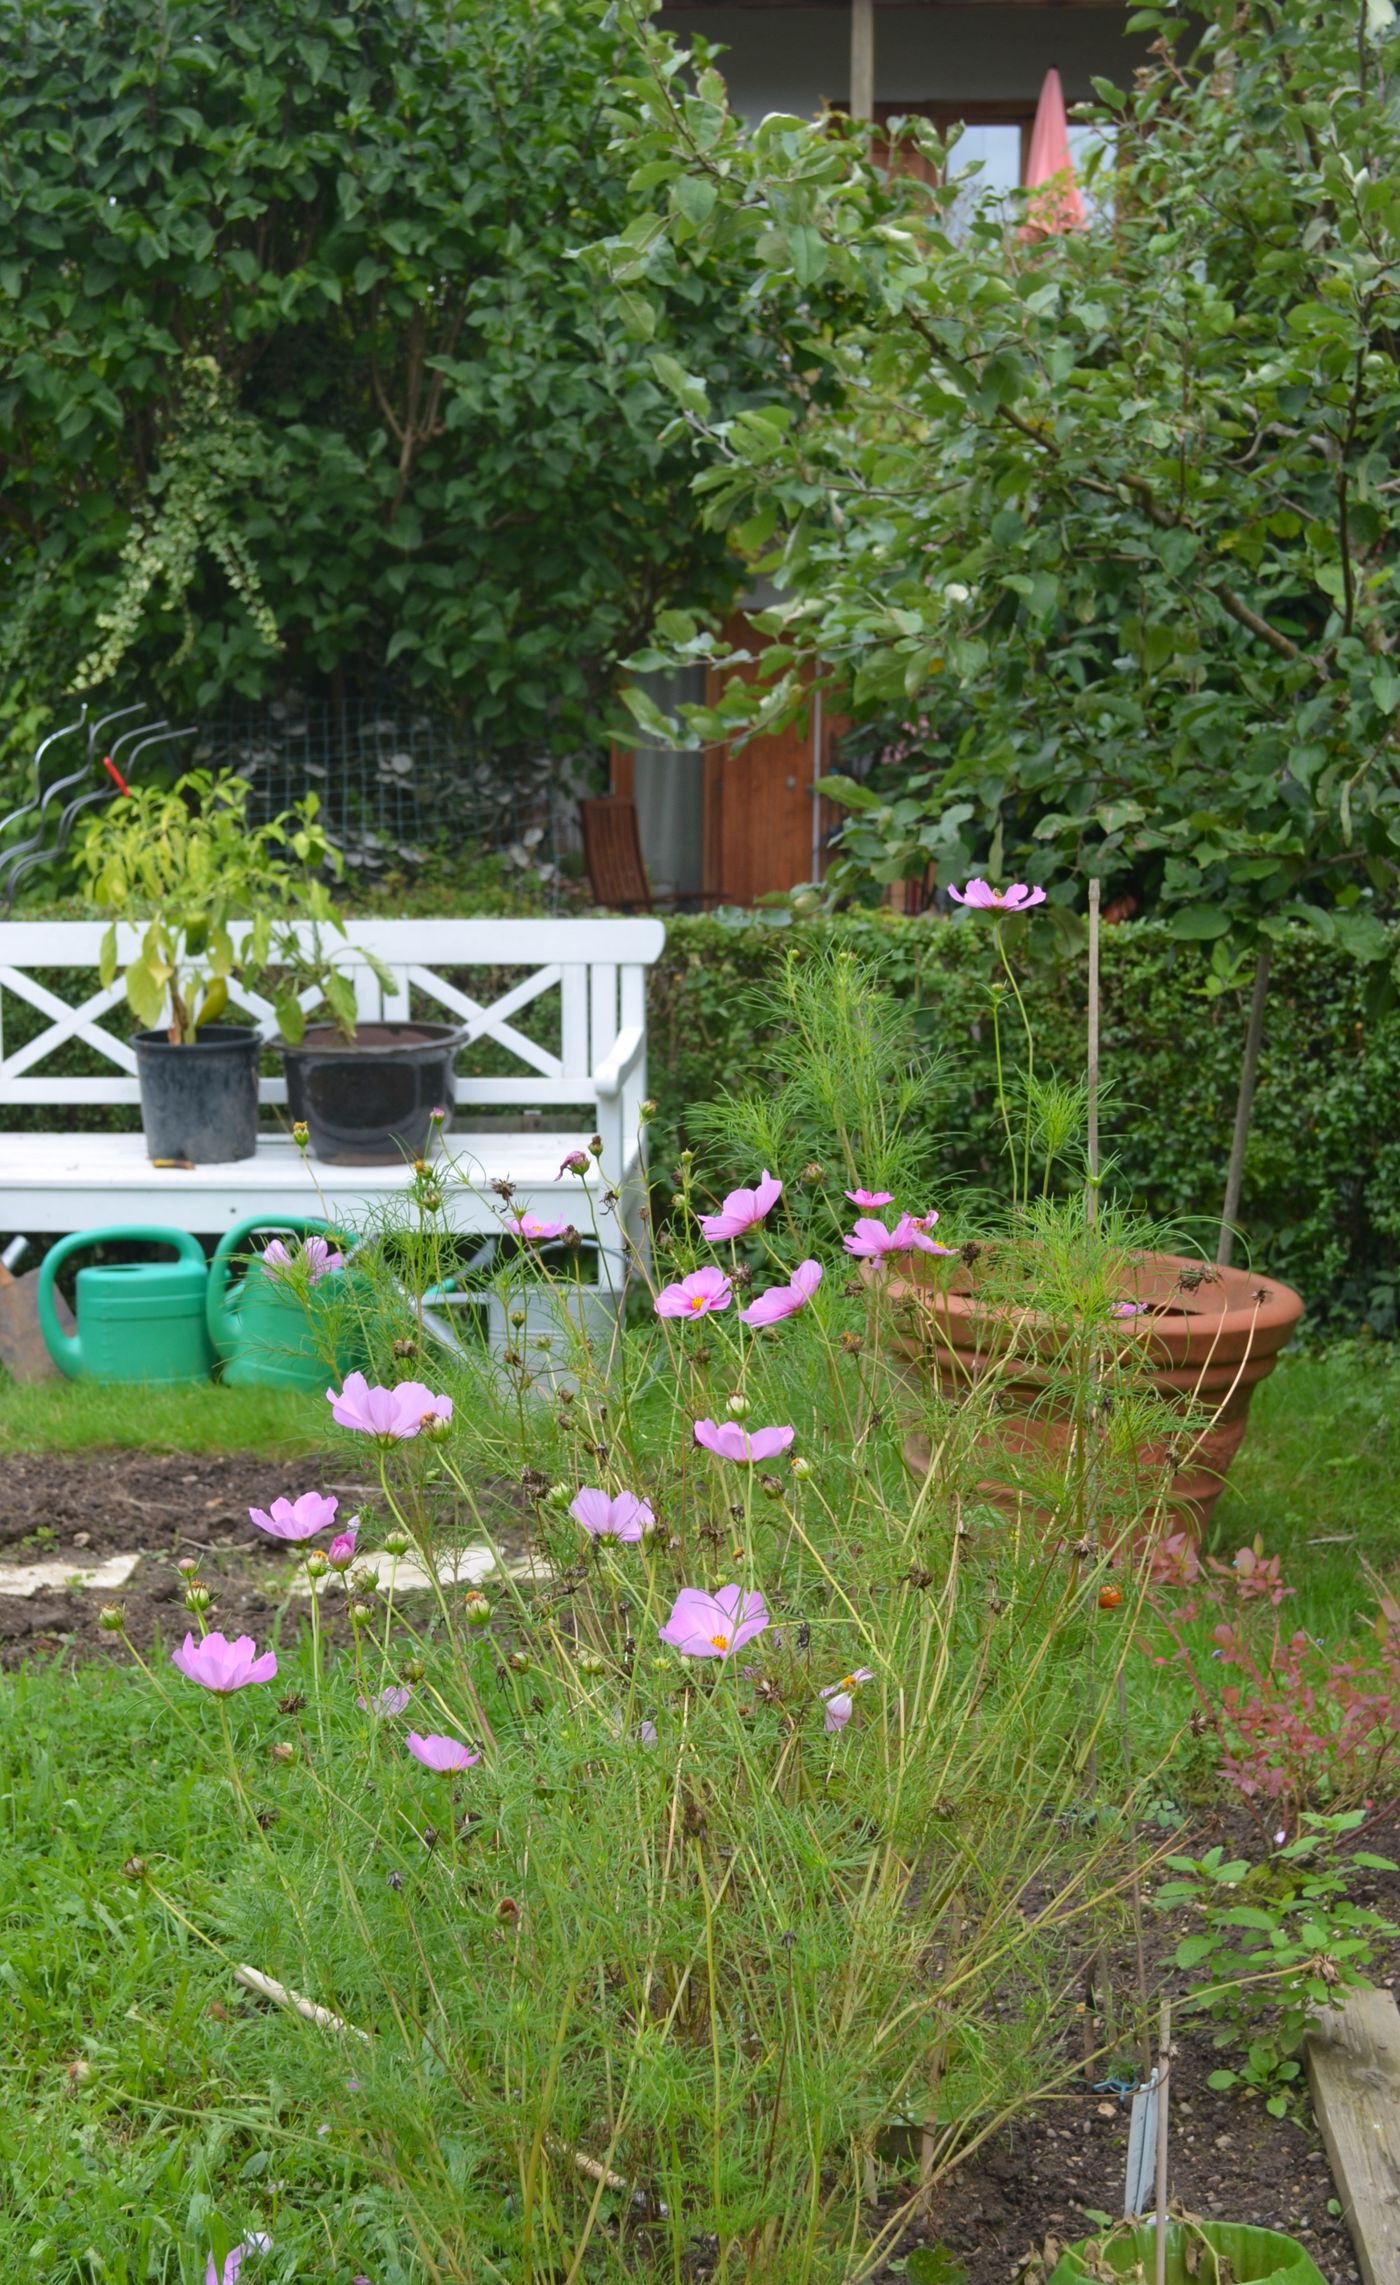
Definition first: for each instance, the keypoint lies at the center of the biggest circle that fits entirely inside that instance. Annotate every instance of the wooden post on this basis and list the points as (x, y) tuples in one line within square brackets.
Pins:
[(1244, 1106), (1092, 1194), (1354, 2074), (862, 59)]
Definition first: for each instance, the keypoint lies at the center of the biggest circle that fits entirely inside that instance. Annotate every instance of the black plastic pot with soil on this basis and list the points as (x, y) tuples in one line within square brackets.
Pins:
[(199, 1098), (370, 1101)]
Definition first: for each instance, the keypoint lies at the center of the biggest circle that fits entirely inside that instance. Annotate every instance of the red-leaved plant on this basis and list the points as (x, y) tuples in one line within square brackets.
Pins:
[(1306, 1723)]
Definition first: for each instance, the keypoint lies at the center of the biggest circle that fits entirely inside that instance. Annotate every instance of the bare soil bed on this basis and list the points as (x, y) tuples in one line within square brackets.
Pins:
[(1042, 2178)]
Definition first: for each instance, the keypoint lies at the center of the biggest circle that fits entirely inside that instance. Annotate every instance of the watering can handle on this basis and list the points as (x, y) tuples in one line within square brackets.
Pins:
[(217, 1315), (66, 1348)]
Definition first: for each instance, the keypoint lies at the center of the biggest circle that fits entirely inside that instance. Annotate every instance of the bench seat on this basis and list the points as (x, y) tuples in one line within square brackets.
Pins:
[(553, 1013)]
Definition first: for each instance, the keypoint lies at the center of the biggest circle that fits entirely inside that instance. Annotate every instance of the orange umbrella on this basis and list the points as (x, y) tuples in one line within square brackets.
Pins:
[(1055, 203)]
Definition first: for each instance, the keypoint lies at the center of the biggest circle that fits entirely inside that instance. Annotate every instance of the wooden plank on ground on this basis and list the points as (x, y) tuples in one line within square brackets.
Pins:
[(1354, 2074)]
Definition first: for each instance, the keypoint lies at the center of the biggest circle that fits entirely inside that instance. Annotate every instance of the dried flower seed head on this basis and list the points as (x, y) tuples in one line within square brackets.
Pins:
[(588, 1662), (414, 1670), (405, 1347), (508, 1910), (519, 1662), (364, 1579), (773, 1486), (292, 1703), (111, 1618), (1110, 1598), (813, 1172), (79, 2070), (282, 1751), (430, 1198), (503, 1188), (596, 1146), (136, 1868), (850, 1342)]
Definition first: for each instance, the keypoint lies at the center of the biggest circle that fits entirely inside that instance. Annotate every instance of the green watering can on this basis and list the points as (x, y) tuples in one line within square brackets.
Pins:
[(137, 1321), (267, 1333)]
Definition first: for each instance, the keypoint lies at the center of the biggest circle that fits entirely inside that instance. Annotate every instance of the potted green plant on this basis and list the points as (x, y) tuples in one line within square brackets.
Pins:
[(186, 861), (366, 1092)]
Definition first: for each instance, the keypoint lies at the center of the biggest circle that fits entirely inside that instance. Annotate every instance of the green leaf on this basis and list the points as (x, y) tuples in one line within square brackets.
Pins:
[(1199, 923), (696, 197)]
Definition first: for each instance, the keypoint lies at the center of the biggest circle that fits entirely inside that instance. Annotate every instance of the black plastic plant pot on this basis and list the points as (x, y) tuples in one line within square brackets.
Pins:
[(371, 1103), (200, 1102)]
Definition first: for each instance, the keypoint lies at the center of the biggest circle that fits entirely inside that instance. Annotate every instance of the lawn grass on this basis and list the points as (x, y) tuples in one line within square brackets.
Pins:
[(200, 1416)]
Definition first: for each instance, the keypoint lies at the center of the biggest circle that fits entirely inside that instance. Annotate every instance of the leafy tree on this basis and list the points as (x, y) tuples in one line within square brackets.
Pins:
[(1106, 521), (298, 372)]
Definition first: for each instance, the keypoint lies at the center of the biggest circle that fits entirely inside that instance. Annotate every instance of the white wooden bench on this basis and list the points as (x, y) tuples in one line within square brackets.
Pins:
[(585, 979)]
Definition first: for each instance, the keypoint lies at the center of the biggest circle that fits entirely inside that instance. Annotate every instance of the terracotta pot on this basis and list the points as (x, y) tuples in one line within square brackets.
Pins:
[(1208, 1341)]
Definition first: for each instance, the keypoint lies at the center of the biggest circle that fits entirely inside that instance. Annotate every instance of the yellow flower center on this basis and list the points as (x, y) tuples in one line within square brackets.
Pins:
[(697, 1301), (720, 1641), (849, 1682)]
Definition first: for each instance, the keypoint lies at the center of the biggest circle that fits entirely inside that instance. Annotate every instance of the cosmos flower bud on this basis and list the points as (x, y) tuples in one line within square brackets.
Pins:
[(648, 1109), (414, 1670), (518, 1317), (437, 1427), (430, 1198), (361, 1614), (519, 1662), (396, 1543), (438, 1115), (316, 1564), (801, 1468), (111, 1618), (596, 1146), (283, 1752), (558, 1496), (739, 1406), (197, 1596), (136, 1868), (364, 1579), (588, 1662), (301, 1133), (476, 1609), (187, 1566)]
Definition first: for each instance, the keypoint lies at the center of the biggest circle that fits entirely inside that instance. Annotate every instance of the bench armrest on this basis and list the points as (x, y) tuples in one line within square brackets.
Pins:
[(625, 1051)]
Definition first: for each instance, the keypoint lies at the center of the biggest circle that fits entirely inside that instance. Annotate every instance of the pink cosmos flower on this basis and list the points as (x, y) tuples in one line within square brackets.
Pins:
[(729, 1441), (870, 1198), (711, 1626), (389, 1415), (871, 1240), (442, 1754), (646, 1733), (840, 1697), (341, 1552), (296, 1519), (784, 1300), (1018, 898), (575, 1163), (386, 1702), (1127, 1308), (743, 1210), (532, 1230), (624, 1517), (696, 1295), (313, 1254), (222, 1665)]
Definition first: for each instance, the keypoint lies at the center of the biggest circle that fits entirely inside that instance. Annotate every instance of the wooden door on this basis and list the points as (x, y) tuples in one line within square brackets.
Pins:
[(765, 828)]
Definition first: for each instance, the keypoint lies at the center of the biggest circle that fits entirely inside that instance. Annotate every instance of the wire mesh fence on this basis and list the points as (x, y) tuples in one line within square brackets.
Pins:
[(399, 783)]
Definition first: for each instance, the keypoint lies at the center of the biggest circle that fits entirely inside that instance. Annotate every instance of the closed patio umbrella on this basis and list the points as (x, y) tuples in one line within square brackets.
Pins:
[(1054, 203)]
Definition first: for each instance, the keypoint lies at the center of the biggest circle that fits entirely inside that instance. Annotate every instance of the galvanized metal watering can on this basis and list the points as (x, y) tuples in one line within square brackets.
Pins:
[(273, 1324), (137, 1321)]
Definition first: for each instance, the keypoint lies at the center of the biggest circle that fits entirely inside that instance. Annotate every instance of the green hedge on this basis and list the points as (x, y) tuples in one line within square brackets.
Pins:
[(1321, 1203)]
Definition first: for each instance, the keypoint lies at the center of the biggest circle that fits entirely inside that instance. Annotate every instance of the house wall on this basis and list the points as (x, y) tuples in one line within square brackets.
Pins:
[(795, 59)]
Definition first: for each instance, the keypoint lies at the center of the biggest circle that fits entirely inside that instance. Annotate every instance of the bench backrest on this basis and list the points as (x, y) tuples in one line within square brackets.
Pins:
[(597, 967)]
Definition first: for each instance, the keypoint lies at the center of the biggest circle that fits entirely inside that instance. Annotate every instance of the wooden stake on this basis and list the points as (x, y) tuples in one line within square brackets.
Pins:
[(862, 59), (1164, 2066), (1091, 1201), (1244, 1107)]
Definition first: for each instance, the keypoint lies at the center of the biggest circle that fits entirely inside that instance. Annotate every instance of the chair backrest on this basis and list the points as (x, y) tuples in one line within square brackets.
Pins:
[(612, 851), (597, 968)]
